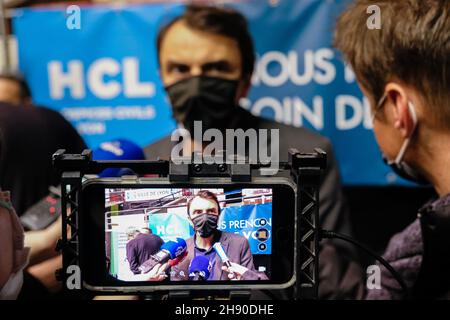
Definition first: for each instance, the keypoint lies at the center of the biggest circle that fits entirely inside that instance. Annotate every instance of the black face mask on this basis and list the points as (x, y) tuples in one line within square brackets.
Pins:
[(206, 99), (205, 224)]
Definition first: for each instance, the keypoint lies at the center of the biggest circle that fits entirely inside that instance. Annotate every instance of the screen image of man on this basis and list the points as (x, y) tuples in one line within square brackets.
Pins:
[(141, 246), (203, 212)]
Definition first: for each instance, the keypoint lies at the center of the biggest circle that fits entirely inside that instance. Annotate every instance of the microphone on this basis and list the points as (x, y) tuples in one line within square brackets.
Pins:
[(120, 149), (200, 269), (177, 260), (222, 255), (169, 250)]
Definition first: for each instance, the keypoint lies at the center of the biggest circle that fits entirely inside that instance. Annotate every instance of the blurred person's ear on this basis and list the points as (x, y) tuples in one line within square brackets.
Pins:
[(400, 111)]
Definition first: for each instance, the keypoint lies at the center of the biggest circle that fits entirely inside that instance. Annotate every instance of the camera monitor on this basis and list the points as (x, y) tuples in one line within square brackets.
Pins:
[(157, 236)]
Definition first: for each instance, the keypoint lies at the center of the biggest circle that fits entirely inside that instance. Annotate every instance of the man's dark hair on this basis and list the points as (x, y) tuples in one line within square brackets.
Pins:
[(220, 21), (205, 194), (24, 89), (413, 46)]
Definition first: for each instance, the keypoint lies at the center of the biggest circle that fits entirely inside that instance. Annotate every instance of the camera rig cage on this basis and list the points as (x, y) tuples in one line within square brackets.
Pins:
[(305, 170)]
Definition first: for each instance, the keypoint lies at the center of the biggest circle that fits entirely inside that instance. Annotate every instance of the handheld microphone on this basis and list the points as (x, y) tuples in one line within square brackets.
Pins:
[(177, 260), (120, 149), (222, 255), (169, 250), (199, 269)]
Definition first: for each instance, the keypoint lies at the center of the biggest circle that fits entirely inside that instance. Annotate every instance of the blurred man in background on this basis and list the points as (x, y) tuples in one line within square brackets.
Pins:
[(206, 59)]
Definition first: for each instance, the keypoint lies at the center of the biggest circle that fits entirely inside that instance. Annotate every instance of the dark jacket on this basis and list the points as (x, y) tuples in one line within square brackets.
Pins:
[(141, 248), (28, 138), (421, 254), (237, 249)]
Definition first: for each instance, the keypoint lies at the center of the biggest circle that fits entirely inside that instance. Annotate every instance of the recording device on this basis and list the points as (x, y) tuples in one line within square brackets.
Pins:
[(169, 250), (248, 211), (271, 221), (43, 213), (199, 269), (258, 221)]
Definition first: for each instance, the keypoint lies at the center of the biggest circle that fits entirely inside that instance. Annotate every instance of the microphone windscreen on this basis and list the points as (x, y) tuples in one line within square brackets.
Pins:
[(177, 260), (120, 149), (175, 248), (200, 265)]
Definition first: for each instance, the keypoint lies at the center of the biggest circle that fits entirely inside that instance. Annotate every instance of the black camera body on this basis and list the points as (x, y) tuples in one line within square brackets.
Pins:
[(273, 220)]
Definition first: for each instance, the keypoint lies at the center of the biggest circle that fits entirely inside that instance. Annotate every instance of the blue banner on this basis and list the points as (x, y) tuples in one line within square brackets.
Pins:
[(170, 226), (104, 76), (254, 222)]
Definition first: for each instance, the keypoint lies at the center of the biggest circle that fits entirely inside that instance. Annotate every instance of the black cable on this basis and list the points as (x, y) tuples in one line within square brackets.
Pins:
[(334, 235)]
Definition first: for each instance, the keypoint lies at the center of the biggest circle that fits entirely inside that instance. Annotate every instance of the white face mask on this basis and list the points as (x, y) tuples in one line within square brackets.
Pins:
[(12, 287)]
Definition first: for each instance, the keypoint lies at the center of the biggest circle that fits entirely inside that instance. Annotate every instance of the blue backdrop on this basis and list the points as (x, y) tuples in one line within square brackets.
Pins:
[(251, 221), (104, 77), (254, 222)]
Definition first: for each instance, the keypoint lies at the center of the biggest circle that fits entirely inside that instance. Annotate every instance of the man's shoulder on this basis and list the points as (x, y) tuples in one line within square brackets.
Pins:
[(189, 241), (151, 237), (130, 243), (144, 239), (301, 138), (159, 149)]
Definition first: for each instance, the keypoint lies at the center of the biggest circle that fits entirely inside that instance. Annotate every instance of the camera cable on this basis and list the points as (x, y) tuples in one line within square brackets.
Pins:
[(325, 234)]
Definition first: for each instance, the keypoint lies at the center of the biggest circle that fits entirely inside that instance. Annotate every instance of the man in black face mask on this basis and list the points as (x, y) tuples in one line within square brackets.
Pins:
[(206, 61), (204, 211)]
